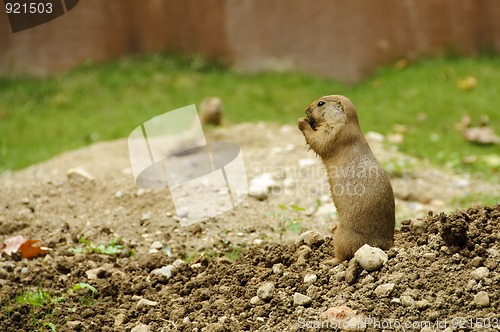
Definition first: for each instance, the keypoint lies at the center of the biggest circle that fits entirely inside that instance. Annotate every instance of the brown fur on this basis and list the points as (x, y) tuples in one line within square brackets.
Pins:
[(211, 111), (360, 188)]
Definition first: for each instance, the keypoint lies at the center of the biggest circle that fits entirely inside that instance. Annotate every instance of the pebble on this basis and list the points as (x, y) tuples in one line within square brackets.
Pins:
[(309, 238), (141, 328), (370, 258), (476, 261), (164, 271), (120, 319), (384, 290), (258, 191), (182, 212), (258, 241), (301, 299), (310, 278), (266, 291), (146, 216), (255, 300), (146, 302), (119, 194), (482, 299), (156, 245), (278, 268), (430, 256), (178, 262), (24, 270), (407, 301), (480, 273), (79, 174)]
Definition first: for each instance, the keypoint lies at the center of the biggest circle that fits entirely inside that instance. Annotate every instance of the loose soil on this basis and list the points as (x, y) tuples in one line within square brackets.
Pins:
[(432, 270)]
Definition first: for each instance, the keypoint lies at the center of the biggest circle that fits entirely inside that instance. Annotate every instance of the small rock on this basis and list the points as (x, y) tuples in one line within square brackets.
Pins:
[(156, 245), (430, 256), (141, 328), (278, 268), (407, 301), (310, 278), (146, 216), (119, 194), (480, 273), (370, 258), (301, 299), (195, 266), (384, 290), (266, 291), (165, 271), (418, 227), (24, 270), (351, 274), (258, 241), (258, 191), (255, 300), (310, 238), (97, 273), (260, 319), (146, 302), (140, 192), (79, 175), (482, 299), (476, 261), (120, 319), (178, 262), (182, 212)]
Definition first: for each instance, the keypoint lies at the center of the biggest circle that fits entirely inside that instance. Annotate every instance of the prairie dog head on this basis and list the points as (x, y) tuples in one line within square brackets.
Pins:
[(327, 119)]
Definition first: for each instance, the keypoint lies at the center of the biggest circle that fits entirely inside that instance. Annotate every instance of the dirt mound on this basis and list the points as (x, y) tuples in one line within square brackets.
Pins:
[(424, 281), (240, 270)]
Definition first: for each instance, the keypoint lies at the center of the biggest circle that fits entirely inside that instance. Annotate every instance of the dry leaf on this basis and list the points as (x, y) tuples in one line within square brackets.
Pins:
[(467, 83), (24, 245)]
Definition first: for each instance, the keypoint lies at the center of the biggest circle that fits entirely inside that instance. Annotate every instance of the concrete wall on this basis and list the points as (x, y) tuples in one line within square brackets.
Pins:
[(341, 39)]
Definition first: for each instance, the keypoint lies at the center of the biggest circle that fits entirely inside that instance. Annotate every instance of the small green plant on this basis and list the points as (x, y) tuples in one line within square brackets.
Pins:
[(35, 298), (87, 298), (286, 221), (112, 248), (51, 326)]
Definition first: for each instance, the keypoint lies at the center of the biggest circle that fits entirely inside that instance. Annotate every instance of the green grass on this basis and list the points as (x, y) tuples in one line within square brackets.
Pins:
[(42, 117)]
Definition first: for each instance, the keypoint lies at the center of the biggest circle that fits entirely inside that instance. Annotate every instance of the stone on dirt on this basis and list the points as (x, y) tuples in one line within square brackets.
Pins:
[(266, 291), (482, 299), (301, 299), (370, 258), (384, 290), (141, 328), (480, 273), (79, 174)]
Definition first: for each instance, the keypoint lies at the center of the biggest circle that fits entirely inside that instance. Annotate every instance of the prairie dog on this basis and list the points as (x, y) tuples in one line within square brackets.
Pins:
[(359, 187), (211, 111)]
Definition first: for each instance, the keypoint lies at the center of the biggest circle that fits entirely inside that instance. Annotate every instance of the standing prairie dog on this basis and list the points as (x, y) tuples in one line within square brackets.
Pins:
[(359, 187), (211, 111)]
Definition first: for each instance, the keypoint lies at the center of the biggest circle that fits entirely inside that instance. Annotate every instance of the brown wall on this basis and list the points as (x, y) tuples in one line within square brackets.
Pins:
[(342, 39)]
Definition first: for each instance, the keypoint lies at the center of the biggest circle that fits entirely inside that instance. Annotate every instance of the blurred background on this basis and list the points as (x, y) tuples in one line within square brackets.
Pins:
[(422, 73)]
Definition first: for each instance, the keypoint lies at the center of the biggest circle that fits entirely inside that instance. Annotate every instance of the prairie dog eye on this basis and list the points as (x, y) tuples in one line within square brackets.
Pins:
[(321, 103)]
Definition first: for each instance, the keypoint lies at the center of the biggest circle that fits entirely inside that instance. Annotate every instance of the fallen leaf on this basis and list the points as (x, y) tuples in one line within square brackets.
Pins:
[(24, 245), (467, 83)]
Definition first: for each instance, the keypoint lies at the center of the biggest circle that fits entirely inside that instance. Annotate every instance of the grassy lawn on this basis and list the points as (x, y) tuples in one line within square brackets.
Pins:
[(42, 117)]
